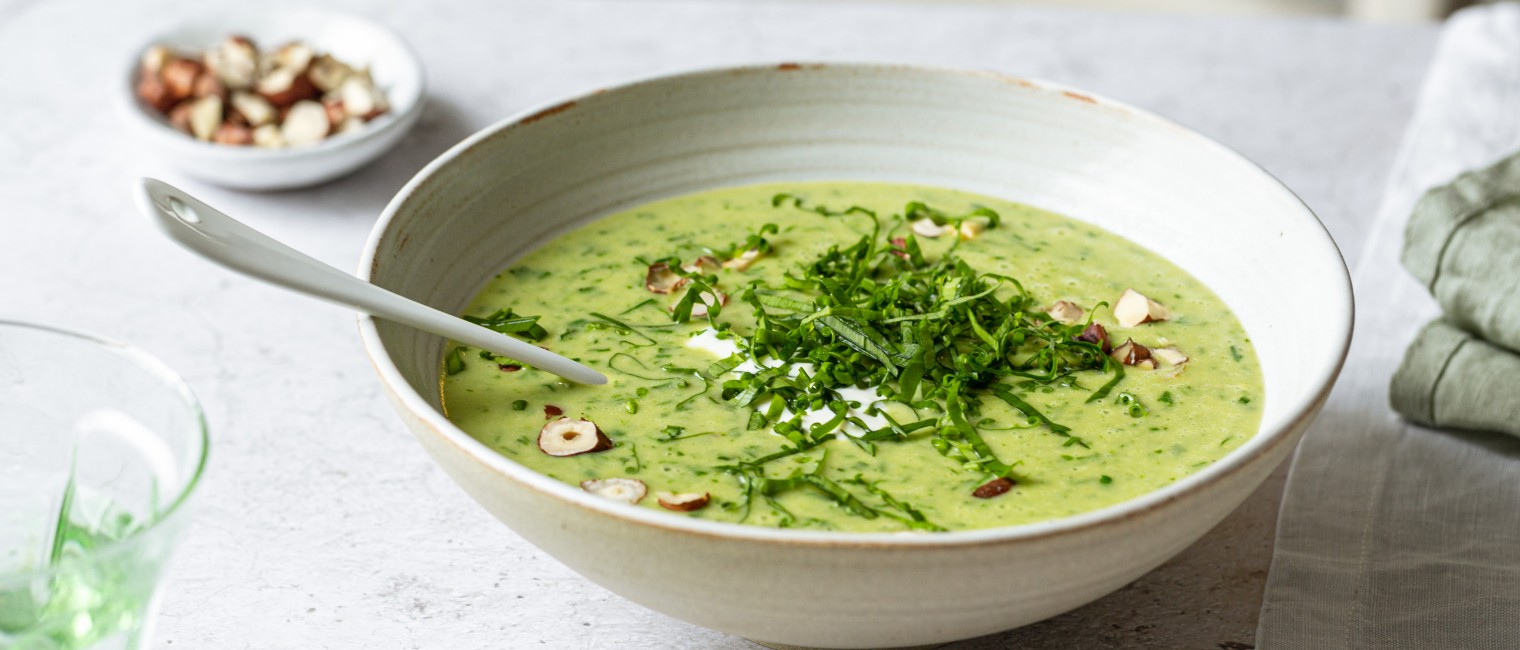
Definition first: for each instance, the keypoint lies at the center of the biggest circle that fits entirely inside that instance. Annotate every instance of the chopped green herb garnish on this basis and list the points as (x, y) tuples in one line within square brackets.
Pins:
[(506, 322), (1166, 398), (1105, 479), (1235, 354), (520, 405), (929, 333), (453, 363)]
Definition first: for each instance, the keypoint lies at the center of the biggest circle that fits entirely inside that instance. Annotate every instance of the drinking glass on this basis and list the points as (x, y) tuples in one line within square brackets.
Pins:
[(101, 447)]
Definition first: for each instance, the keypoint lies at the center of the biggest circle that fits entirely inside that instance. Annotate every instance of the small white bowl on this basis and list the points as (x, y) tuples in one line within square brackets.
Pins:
[(515, 185), (395, 67)]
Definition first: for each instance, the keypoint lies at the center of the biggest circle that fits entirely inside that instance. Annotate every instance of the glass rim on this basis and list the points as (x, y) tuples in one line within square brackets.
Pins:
[(161, 372)]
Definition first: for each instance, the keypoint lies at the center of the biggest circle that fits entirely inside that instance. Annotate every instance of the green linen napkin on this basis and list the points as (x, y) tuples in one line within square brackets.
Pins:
[(1452, 379), (1463, 243)]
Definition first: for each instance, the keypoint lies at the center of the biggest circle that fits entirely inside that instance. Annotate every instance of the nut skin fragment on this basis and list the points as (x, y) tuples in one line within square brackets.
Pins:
[(995, 487), (685, 501), (566, 437), (1134, 354), (1065, 312), (626, 490), (305, 124), (551, 410), (1097, 335), (1133, 308)]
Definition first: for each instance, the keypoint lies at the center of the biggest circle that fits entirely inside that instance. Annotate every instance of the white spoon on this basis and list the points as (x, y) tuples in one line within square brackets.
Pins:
[(226, 241)]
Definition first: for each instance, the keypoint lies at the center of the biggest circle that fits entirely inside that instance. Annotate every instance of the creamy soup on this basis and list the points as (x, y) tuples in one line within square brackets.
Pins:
[(860, 357)]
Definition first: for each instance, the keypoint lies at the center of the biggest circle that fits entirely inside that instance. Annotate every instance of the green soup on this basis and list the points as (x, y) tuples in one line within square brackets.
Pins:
[(1068, 430)]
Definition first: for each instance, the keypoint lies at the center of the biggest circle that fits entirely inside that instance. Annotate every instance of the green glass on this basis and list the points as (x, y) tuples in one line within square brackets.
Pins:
[(101, 447)]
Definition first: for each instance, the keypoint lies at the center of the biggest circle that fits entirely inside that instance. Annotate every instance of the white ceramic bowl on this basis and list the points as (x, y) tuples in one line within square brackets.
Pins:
[(394, 66), (513, 186)]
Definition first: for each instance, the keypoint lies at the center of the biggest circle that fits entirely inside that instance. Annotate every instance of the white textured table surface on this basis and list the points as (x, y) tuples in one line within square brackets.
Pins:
[(323, 525)]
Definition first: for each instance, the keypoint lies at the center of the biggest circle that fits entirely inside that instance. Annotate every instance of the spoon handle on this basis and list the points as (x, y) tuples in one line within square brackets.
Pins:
[(226, 241)]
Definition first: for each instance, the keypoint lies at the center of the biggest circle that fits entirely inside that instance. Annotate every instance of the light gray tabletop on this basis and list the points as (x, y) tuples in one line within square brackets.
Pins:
[(322, 524)]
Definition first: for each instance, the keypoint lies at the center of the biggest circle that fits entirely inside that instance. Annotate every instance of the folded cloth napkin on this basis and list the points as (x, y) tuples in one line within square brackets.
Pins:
[(1463, 244), (1452, 379)]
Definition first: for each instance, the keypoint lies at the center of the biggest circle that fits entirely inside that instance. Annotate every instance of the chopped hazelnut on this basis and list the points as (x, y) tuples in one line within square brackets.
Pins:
[(1134, 354), (684, 502), (705, 264), (995, 487), (926, 227), (626, 490), (328, 73), (1170, 355), (179, 77), (206, 85), (179, 116), (205, 116), (295, 57), (971, 229), (743, 261), (360, 97), (567, 437), (154, 59), (1133, 308), (284, 87), (1096, 335), (268, 136), (1065, 312), (152, 91), (234, 62), (660, 279), (305, 124), (234, 134), (255, 109)]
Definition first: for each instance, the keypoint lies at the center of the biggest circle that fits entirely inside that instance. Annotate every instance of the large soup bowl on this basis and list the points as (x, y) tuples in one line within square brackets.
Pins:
[(510, 188)]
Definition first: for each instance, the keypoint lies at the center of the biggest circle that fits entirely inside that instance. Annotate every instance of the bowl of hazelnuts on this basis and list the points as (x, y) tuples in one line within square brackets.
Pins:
[(276, 100)]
